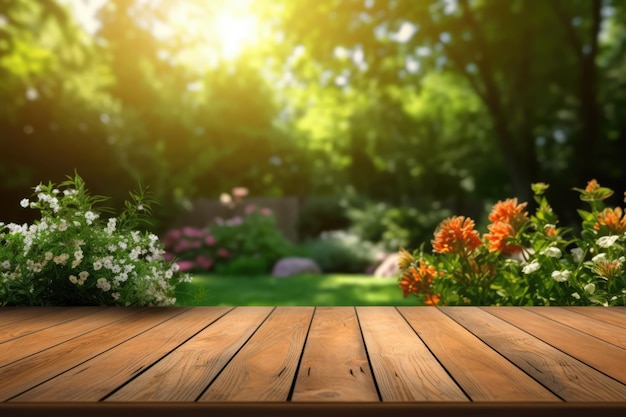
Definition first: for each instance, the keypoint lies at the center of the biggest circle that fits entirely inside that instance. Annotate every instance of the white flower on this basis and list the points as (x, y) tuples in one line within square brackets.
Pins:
[(103, 284), (6, 264), (73, 279), (25, 202), (90, 216), (577, 254), (62, 226), (576, 295), (111, 226), (531, 267), (97, 265), (552, 251), (607, 241), (590, 288), (115, 295), (561, 276), (599, 257)]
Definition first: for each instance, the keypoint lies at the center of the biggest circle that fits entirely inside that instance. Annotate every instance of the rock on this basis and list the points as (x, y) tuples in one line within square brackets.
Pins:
[(286, 267), (388, 268)]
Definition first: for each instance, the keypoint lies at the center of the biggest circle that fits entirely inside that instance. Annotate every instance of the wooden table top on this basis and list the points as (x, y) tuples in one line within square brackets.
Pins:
[(309, 360)]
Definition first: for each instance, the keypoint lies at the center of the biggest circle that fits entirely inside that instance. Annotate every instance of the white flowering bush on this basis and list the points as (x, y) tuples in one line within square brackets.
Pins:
[(73, 255)]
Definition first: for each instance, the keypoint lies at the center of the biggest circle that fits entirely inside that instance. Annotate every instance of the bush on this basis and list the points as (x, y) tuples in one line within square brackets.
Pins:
[(524, 259), (71, 256), (340, 252), (394, 227), (252, 243)]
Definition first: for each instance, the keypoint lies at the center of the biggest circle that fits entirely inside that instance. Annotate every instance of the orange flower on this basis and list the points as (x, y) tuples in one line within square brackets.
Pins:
[(404, 259), (613, 219), (456, 234), (419, 280), (509, 211), (592, 186), (500, 233)]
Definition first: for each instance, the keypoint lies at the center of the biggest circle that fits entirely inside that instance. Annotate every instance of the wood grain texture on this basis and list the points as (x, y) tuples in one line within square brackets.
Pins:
[(604, 314), (186, 372), (14, 314), (265, 367), (598, 328), (605, 357), (53, 335), (334, 364), (45, 317), (24, 374), (483, 374), (567, 377), (403, 366), (96, 378)]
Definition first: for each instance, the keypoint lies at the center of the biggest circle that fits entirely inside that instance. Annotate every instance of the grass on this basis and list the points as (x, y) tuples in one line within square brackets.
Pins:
[(302, 290)]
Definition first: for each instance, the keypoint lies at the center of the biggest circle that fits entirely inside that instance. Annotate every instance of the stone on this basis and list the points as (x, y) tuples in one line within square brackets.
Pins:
[(286, 267), (388, 268)]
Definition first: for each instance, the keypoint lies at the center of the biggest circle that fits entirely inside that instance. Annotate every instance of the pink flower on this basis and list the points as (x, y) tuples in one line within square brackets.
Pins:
[(204, 262), (223, 253), (192, 232), (250, 208), (168, 257), (185, 266), (266, 211), (209, 240)]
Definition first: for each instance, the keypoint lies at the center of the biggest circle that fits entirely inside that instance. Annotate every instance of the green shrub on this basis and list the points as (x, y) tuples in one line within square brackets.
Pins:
[(251, 242), (340, 252), (72, 256)]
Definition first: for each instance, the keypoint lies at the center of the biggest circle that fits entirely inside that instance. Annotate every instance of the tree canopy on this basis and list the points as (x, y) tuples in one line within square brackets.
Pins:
[(407, 102)]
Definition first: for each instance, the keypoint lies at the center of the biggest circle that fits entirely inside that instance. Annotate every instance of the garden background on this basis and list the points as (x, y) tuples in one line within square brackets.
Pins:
[(378, 118)]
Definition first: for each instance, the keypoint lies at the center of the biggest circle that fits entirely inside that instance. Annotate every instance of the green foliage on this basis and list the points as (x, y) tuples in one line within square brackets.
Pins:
[(320, 214), (70, 256), (393, 227), (524, 260), (340, 252), (251, 243)]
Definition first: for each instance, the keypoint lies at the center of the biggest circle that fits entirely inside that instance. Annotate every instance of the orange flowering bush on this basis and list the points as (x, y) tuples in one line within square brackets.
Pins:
[(524, 259)]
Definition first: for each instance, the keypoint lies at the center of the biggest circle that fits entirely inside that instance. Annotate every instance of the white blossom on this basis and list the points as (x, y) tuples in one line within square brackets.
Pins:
[(577, 254), (531, 267), (552, 251), (561, 276), (590, 288), (607, 241)]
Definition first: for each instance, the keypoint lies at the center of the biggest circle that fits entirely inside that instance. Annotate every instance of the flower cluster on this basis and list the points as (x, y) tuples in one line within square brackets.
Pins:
[(523, 259), (247, 243), (72, 256)]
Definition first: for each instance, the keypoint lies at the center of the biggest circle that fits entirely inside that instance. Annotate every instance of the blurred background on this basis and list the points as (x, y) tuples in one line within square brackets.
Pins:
[(379, 117)]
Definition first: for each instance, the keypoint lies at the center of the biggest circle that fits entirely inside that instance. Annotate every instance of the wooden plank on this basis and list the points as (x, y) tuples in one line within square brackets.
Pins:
[(567, 377), (404, 368), (576, 319), (264, 369), (185, 373), (24, 374), (603, 356), (46, 317), (16, 349), (483, 373), (334, 364), (17, 313), (604, 314), (96, 378)]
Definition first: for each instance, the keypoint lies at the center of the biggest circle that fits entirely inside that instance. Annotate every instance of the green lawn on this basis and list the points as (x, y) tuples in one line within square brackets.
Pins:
[(304, 290)]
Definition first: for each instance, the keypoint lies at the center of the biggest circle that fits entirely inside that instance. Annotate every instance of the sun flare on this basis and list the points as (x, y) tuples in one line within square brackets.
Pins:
[(219, 31)]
